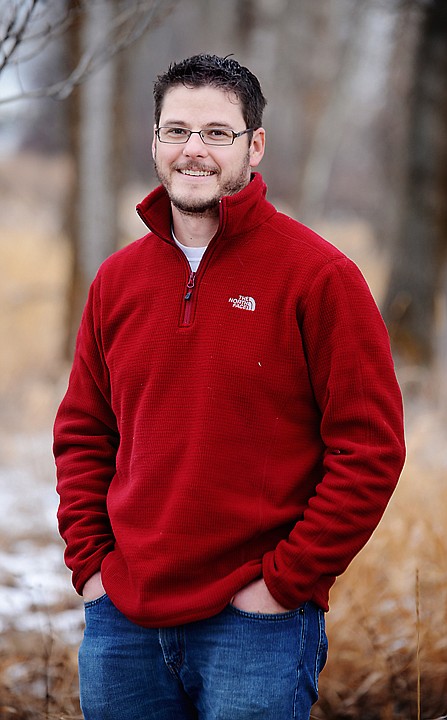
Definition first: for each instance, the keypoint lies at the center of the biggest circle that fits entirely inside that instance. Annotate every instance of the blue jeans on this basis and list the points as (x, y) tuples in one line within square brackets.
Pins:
[(234, 666)]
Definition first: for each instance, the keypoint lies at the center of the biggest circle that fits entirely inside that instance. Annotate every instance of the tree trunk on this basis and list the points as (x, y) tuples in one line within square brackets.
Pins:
[(93, 216), (419, 254), (330, 124)]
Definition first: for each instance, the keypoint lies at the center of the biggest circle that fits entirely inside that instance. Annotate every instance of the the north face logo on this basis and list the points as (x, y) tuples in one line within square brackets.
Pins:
[(244, 302)]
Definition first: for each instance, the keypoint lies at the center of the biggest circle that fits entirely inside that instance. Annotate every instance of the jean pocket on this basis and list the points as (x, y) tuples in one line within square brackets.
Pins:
[(266, 617), (96, 601)]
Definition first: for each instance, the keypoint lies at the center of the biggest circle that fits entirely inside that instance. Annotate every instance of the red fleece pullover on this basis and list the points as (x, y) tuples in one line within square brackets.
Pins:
[(241, 422)]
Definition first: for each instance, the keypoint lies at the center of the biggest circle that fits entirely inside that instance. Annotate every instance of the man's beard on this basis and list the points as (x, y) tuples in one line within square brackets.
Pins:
[(204, 206)]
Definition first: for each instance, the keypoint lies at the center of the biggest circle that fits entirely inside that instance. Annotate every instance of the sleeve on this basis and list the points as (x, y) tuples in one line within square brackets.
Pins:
[(86, 440), (355, 387)]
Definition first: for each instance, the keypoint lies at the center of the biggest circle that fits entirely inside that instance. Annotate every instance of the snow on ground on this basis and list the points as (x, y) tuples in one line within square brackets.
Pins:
[(36, 592)]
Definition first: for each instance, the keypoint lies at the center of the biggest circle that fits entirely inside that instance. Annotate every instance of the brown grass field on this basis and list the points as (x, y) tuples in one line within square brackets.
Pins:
[(386, 627)]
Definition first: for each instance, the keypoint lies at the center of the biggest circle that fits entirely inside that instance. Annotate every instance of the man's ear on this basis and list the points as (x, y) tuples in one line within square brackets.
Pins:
[(257, 147), (154, 140)]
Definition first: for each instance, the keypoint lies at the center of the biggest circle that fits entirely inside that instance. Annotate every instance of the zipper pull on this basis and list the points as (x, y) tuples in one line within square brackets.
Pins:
[(190, 286)]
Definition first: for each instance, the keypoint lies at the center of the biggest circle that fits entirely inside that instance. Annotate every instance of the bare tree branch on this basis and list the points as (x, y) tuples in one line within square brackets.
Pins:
[(42, 36), (129, 24), (15, 35)]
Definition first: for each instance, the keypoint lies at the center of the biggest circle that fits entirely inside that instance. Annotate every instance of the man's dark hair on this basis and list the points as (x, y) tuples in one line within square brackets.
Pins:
[(224, 73)]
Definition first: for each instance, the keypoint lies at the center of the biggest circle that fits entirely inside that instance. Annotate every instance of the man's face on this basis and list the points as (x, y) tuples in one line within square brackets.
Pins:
[(196, 176)]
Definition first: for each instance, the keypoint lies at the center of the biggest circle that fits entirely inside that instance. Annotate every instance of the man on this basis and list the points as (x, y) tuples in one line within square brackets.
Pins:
[(231, 434)]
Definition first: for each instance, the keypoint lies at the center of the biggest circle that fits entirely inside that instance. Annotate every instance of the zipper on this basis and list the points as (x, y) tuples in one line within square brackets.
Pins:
[(187, 307), (190, 285), (189, 295)]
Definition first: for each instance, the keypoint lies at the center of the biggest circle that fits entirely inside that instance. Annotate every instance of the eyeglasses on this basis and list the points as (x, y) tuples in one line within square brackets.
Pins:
[(210, 136)]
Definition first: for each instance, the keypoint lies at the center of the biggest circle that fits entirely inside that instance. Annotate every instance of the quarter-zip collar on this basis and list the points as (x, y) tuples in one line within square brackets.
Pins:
[(238, 214)]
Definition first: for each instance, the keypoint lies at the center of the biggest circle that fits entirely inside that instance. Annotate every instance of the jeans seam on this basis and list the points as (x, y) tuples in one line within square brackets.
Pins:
[(302, 640), (321, 644)]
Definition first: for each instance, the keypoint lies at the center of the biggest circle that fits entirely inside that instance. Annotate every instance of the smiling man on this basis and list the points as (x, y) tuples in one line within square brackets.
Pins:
[(199, 172), (231, 434)]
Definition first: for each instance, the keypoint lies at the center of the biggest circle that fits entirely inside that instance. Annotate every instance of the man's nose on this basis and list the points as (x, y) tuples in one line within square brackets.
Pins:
[(195, 145)]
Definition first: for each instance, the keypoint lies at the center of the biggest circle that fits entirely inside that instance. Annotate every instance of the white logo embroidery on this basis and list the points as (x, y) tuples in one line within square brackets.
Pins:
[(244, 302)]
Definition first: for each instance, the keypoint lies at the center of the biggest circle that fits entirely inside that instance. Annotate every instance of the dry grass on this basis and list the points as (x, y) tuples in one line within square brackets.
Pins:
[(388, 648), (38, 678)]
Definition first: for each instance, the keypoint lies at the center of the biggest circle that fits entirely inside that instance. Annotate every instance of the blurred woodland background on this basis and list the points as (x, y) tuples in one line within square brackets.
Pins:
[(356, 127)]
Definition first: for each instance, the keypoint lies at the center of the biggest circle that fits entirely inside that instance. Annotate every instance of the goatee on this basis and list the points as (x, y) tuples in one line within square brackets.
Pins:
[(191, 205)]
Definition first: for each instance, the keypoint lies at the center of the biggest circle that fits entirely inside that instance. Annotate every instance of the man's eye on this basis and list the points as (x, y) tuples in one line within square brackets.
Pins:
[(218, 133), (176, 131)]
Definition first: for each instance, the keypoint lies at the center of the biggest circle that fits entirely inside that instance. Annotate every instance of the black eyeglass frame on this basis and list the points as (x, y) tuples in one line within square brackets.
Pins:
[(200, 133)]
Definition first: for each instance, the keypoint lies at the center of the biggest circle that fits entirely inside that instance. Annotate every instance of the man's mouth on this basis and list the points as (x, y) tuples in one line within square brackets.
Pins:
[(196, 173)]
